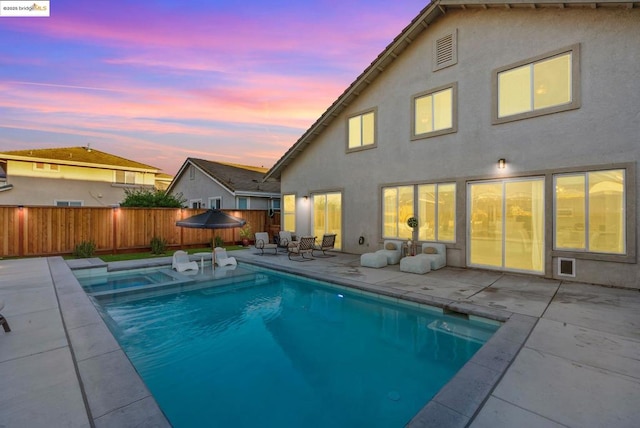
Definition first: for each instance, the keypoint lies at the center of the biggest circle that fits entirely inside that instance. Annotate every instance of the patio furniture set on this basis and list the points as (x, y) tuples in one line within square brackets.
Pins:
[(302, 248), (431, 257)]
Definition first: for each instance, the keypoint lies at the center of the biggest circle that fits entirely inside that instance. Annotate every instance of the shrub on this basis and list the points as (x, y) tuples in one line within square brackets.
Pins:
[(158, 245), (84, 250), (218, 242)]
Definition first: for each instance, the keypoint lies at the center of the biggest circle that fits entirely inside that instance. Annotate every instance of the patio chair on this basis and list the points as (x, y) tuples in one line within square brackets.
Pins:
[(3, 320), (328, 243), (302, 247), (181, 262), (284, 239), (222, 259), (262, 243), (435, 253)]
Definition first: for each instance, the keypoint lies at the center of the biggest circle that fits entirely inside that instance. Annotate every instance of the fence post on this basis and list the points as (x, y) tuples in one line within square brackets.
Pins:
[(115, 230), (20, 231)]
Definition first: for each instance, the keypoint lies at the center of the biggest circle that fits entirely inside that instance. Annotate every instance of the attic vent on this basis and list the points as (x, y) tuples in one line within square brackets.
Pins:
[(566, 267), (445, 51)]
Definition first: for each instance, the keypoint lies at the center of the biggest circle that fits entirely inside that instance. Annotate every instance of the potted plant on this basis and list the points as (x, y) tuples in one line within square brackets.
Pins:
[(245, 234)]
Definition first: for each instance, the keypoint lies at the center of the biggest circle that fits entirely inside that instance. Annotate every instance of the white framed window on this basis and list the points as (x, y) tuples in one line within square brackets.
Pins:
[(289, 212), (242, 203), (125, 177), (61, 203), (215, 202), (590, 211), (195, 203), (361, 131), (546, 84), (435, 112)]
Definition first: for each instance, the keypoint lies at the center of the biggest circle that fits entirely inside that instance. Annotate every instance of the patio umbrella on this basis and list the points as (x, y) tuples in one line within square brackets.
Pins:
[(212, 219)]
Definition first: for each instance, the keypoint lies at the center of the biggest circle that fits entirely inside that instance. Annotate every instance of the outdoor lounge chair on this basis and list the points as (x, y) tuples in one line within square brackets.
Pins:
[(435, 253), (262, 243), (222, 259), (182, 263), (302, 247), (3, 320), (328, 243), (393, 250)]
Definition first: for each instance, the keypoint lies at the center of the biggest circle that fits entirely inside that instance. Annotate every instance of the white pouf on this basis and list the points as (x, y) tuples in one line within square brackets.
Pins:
[(374, 260), (415, 264)]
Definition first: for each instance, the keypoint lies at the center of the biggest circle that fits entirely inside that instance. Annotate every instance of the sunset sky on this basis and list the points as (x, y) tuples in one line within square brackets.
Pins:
[(157, 81)]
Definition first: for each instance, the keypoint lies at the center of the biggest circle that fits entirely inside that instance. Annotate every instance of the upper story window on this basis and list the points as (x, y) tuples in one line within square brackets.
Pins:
[(361, 131), (590, 211), (549, 83), (192, 172), (242, 203), (48, 167), (274, 204), (435, 112), (125, 177)]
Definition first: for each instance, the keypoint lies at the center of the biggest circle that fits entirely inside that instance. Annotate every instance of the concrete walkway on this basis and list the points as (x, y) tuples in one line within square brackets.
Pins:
[(568, 354)]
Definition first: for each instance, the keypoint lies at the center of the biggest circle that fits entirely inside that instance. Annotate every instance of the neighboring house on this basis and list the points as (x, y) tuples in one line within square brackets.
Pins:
[(510, 130), (70, 176), (163, 181), (207, 184)]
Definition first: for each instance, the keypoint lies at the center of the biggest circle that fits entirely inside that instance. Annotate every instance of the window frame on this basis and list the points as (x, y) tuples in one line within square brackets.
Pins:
[(576, 100), (70, 203), (239, 198), (284, 214), (125, 174), (361, 147), (588, 249), (415, 234), (215, 198), (454, 112)]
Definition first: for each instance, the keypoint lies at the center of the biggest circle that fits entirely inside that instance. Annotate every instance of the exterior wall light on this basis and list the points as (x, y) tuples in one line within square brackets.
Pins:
[(306, 197), (502, 163)]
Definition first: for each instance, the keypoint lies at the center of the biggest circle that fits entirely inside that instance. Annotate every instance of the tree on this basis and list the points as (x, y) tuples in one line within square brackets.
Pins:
[(148, 198)]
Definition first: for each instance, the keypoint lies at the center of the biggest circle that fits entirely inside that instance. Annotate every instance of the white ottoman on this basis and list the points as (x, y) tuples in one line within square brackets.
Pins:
[(415, 264), (373, 260)]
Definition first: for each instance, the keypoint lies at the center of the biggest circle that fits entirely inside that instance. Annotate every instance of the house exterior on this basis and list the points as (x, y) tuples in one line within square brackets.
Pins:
[(70, 176), (509, 130), (208, 184)]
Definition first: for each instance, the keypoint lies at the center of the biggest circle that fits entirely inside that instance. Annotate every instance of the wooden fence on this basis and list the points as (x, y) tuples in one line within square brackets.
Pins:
[(43, 231)]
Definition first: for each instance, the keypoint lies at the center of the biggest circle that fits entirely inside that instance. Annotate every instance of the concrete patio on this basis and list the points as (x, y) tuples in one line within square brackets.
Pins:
[(568, 354)]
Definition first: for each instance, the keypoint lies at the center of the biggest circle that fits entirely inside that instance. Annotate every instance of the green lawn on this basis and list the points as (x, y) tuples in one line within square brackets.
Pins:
[(147, 255)]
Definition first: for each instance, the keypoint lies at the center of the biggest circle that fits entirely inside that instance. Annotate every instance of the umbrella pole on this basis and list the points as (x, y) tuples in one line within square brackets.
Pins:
[(213, 260)]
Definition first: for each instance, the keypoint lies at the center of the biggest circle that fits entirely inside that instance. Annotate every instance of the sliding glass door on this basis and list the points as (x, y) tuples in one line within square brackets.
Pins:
[(506, 224)]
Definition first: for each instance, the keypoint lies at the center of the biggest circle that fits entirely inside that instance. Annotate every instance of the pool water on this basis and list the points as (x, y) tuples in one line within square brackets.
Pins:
[(110, 282), (279, 351)]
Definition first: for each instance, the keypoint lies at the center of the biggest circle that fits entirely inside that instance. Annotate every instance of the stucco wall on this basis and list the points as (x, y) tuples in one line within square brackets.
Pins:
[(604, 130), (40, 191)]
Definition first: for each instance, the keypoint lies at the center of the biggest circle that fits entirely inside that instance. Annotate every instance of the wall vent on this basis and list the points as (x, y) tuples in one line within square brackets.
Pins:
[(566, 267), (445, 51)]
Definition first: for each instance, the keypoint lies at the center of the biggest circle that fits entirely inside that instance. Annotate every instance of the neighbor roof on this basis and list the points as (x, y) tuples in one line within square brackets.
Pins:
[(81, 156), (425, 18), (235, 177)]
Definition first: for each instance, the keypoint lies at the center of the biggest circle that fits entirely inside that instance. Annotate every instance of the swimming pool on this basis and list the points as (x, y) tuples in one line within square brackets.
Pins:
[(276, 350)]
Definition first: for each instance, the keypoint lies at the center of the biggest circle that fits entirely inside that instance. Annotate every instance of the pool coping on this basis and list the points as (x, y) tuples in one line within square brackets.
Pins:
[(93, 345)]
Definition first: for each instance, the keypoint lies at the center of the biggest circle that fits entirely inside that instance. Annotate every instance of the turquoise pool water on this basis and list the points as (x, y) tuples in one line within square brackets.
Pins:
[(274, 350), (110, 282)]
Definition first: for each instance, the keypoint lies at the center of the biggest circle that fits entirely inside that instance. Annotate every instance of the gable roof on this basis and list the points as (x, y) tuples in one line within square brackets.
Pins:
[(432, 12), (234, 177), (78, 156)]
